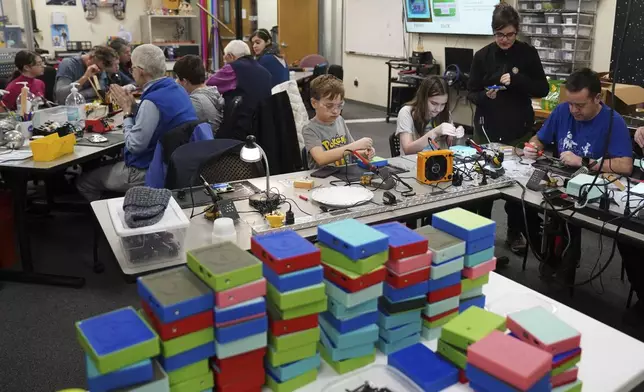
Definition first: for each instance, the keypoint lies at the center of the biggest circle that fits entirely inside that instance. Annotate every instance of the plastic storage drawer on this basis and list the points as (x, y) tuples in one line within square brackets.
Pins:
[(584, 31), (553, 18)]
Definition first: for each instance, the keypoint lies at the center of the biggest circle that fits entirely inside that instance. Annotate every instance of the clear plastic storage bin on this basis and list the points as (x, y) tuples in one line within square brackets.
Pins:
[(553, 18), (377, 376), (542, 29), (544, 42), (583, 31), (569, 44), (576, 56), (548, 5), (525, 5), (553, 55), (570, 18), (555, 30), (586, 6), (527, 29), (553, 69), (561, 76), (151, 244), (532, 18)]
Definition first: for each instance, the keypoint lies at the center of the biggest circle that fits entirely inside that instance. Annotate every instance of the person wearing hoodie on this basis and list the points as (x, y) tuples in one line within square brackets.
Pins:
[(207, 101), (268, 55)]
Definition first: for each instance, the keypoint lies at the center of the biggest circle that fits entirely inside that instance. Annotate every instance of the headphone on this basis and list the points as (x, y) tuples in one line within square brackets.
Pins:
[(452, 74)]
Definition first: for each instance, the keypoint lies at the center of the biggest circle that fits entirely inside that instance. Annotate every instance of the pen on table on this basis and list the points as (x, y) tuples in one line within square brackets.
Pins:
[(303, 197)]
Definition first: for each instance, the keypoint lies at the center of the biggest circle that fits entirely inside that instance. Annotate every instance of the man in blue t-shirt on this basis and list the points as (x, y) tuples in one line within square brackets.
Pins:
[(579, 128)]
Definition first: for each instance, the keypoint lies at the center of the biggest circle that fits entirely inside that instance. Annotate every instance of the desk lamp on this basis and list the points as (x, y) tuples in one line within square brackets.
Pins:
[(252, 153)]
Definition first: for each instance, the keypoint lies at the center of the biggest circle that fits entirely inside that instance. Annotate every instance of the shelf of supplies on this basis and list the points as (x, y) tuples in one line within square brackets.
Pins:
[(557, 11), (172, 16), (563, 61)]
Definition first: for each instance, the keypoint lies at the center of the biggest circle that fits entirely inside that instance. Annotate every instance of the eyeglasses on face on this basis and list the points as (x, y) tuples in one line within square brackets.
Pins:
[(331, 106), (509, 36)]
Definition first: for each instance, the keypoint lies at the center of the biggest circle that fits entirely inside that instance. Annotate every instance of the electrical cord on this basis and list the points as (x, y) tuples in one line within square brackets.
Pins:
[(613, 100)]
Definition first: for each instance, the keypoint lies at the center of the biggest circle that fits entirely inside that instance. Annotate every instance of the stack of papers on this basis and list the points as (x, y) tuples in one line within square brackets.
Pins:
[(14, 155)]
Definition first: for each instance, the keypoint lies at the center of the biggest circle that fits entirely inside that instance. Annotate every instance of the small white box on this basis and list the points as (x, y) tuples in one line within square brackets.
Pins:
[(151, 244)]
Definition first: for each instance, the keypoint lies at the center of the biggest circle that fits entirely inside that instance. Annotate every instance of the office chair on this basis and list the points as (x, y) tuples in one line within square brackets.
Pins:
[(394, 145), (312, 60), (305, 159), (228, 167)]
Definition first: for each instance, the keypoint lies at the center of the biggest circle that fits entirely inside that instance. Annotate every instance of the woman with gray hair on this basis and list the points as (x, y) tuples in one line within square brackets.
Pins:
[(164, 105)]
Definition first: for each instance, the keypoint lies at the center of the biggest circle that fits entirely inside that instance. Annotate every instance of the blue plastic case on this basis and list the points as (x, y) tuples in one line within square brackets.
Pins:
[(341, 354), (295, 280), (189, 357), (241, 330), (241, 310), (475, 246), (479, 257), (444, 282), (140, 372), (353, 239), (175, 294), (476, 301), (424, 367), (352, 324), (491, 383), (389, 321), (389, 348), (341, 312), (399, 332), (291, 370), (397, 295), (368, 334)]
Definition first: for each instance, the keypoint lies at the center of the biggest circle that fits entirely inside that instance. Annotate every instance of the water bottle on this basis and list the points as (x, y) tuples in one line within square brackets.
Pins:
[(75, 104)]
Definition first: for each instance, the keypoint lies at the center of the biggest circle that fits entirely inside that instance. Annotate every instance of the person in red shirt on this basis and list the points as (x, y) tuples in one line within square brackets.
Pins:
[(30, 66)]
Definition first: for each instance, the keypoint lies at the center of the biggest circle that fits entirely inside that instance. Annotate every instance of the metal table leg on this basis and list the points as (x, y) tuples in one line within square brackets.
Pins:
[(17, 182)]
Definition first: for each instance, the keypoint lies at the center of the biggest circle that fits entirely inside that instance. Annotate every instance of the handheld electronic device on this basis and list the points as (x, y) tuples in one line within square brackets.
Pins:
[(325, 172)]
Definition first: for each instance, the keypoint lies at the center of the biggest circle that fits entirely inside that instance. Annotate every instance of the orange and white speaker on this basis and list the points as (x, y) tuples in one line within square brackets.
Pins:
[(434, 167)]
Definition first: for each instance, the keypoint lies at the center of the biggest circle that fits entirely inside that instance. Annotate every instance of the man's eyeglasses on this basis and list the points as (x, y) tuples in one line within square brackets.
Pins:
[(579, 106), (509, 36), (332, 106)]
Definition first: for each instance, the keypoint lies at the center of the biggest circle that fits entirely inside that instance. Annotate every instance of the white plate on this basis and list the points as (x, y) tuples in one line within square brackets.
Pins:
[(342, 196), (515, 302)]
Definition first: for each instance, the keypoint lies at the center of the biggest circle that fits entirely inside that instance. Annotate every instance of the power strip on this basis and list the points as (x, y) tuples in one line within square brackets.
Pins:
[(371, 209)]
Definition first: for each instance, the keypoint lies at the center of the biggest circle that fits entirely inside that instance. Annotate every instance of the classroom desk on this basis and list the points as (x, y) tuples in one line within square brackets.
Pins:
[(610, 360), (16, 174), (200, 229)]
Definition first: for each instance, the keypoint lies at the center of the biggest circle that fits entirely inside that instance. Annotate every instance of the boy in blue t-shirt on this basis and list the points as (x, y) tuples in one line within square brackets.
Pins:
[(579, 128)]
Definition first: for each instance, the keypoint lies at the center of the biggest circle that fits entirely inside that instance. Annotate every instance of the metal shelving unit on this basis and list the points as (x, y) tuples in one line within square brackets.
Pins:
[(561, 31)]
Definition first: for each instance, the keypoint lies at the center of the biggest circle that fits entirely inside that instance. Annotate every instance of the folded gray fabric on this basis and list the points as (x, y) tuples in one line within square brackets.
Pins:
[(145, 206)]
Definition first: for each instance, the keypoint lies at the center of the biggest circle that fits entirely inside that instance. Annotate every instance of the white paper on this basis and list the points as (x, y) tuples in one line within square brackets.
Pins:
[(14, 155)]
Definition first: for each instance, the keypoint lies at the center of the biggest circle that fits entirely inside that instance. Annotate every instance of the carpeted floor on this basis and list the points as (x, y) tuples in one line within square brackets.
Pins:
[(38, 347)]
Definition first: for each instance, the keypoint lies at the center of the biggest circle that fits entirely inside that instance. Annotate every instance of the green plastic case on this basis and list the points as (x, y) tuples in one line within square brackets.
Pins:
[(471, 326), (224, 266), (295, 298)]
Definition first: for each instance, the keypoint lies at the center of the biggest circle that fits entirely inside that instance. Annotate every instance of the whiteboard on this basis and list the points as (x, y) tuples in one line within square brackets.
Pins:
[(375, 28)]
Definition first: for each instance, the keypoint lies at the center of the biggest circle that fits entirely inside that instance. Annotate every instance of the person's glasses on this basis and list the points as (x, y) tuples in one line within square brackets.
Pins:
[(331, 106), (509, 36)]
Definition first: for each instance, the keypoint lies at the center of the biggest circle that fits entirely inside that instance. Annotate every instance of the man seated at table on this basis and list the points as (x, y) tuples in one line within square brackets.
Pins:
[(164, 105), (579, 129), (244, 77), (81, 68)]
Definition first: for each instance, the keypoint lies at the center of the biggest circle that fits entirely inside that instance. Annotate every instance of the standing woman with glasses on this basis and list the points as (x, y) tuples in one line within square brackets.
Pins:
[(506, 115), (30, 66)]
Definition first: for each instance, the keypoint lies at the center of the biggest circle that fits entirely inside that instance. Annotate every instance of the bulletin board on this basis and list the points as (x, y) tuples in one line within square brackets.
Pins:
[(631, 62)]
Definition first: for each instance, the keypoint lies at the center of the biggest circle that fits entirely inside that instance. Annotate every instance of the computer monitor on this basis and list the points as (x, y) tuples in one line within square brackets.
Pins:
[(462, 57)]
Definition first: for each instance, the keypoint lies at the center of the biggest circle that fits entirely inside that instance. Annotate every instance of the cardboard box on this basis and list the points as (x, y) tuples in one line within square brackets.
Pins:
[(627, 96)]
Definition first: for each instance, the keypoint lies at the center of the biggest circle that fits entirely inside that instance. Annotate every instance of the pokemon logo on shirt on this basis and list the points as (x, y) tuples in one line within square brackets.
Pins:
[(335, 142)]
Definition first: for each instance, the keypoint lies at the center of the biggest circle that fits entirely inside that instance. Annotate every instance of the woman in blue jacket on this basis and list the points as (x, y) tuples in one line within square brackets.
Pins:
[(268, 55)]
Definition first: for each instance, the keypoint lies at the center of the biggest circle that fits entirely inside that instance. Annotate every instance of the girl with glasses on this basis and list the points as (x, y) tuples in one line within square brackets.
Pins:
[(30, 66)]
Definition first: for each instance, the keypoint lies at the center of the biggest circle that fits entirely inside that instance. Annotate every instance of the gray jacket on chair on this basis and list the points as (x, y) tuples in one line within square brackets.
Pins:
[(209, 105)]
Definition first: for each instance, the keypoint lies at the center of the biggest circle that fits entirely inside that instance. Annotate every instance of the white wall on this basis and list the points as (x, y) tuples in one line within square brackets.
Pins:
[(266, 14), (371, 72), (96, 30)]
